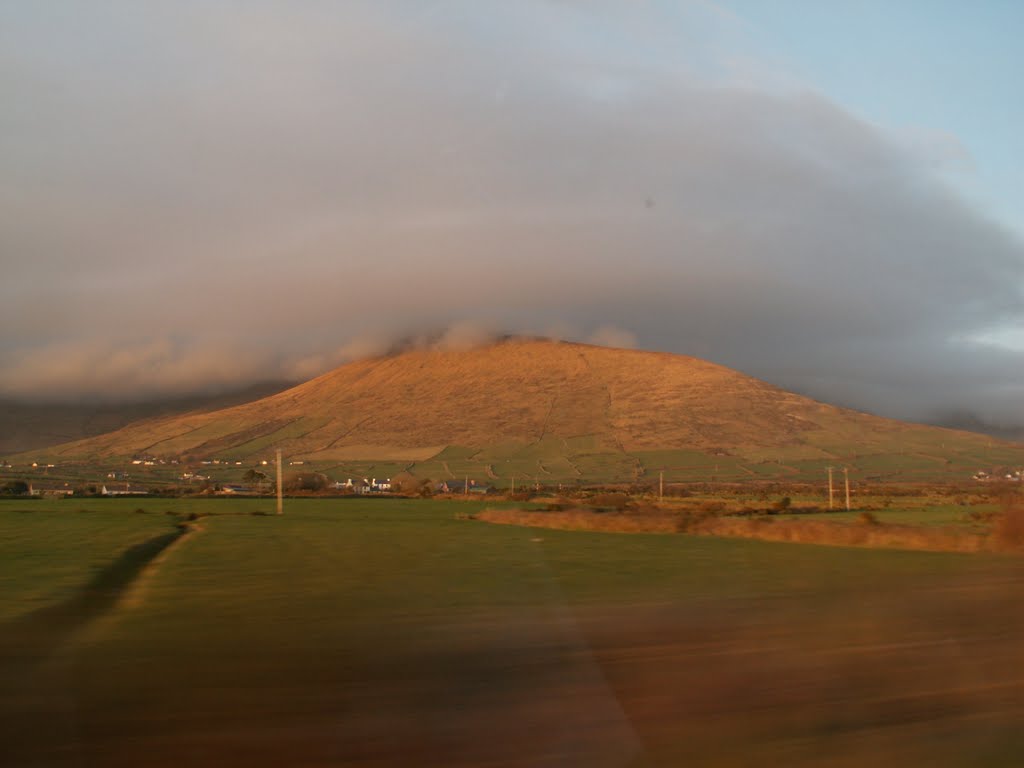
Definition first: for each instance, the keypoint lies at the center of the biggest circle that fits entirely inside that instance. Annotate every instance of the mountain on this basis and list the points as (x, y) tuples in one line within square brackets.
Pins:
[(552, 409)]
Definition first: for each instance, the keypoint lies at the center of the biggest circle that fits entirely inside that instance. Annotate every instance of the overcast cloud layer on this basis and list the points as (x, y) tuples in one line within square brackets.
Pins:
[(195, 195)]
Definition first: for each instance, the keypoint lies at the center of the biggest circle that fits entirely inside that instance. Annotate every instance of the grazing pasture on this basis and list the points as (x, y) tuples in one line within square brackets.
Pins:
[(396, 632), (50, 550)]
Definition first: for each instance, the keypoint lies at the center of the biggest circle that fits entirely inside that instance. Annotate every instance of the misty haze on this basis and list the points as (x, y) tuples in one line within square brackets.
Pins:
[(204, 196), (528, 383)]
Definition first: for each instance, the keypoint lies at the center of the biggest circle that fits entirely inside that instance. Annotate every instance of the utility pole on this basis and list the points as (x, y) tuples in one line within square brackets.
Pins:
[(280, 486), (467, 485), (846, 477), (830, 487), (661, 486)]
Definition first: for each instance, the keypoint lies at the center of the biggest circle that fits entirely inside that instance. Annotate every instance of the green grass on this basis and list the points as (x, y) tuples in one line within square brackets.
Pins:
[(658, 460), (50, 550), (265, 443), (176, 443), (927, 515), (910, 456), (392, 632), (455, 453), (412, 552), (550, 461), (617, 467), (411, 556), (352, 469)]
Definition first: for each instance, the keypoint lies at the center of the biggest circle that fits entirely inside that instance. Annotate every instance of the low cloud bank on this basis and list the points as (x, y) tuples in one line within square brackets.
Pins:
[(377, 171)]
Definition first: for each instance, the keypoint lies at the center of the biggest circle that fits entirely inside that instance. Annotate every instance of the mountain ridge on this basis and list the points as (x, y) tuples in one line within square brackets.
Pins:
[(518, 393)]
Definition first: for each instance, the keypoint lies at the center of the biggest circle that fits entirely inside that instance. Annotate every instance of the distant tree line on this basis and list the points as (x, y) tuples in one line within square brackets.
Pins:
[(14, 488)]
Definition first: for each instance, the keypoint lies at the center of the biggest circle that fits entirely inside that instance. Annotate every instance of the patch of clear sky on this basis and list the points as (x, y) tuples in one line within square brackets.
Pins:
[(929, 67)]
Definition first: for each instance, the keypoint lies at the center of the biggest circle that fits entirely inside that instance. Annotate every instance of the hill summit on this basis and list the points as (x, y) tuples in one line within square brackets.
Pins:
[(526, 398)]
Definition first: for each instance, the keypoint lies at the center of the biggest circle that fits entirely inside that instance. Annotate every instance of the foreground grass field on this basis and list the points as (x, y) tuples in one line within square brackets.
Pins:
[(389, 632), (51, 551)]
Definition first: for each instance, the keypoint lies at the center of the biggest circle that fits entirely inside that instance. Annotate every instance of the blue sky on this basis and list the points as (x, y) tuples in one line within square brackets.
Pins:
[(925, 67)]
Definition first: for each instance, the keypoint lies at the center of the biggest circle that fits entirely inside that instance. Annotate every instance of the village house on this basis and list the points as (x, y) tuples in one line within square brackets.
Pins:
[(371, 485)]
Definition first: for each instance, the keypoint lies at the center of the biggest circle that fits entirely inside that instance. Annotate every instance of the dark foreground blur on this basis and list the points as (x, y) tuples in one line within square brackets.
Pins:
[(923, 676)]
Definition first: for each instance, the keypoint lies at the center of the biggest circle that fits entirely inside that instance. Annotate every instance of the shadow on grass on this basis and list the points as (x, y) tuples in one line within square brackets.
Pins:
[(37, 702), (35, 635)]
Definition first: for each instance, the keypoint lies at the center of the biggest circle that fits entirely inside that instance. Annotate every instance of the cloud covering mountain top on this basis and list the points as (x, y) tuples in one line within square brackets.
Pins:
[(196, 195)]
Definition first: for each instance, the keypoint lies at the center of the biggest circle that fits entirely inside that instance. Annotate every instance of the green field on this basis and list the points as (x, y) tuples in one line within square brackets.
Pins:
[(50, 551), (396, 632), (913, 456), (922, 515)]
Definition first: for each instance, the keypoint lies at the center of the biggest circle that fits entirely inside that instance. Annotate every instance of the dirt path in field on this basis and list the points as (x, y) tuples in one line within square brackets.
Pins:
[(37, 649), (42, 631), (134, 592)]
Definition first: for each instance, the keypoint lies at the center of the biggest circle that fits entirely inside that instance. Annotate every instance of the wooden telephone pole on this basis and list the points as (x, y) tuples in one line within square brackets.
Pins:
[(846, 477), (830, 487), (280, 486), (661, 486)]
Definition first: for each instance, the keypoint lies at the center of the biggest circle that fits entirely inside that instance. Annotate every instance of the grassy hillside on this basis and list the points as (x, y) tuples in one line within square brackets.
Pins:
[(551, 412)]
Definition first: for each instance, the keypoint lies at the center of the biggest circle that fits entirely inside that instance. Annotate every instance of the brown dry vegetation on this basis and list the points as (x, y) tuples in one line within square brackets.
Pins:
[(1007, 535), (1008, 531), (584, 520), (517, 392), (863, 533)]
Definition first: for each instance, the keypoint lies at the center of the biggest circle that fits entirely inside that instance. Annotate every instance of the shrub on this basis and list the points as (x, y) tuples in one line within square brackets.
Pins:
[(305, 481), (711, 506), (14, 488), (1008, 532), (616, 501), (676, 491), (981, 515), (689, 522)]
